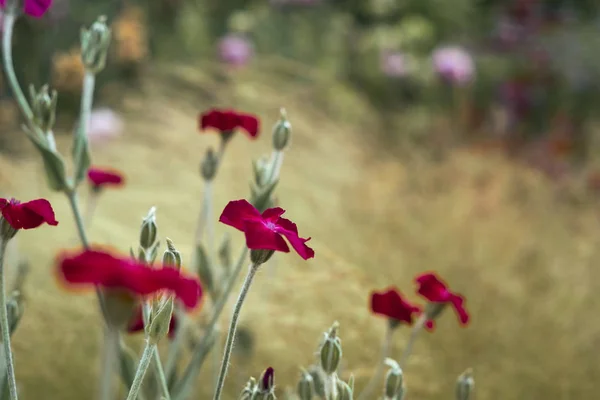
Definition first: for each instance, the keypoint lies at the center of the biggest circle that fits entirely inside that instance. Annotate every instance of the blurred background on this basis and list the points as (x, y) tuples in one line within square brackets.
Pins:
[(458, 136)]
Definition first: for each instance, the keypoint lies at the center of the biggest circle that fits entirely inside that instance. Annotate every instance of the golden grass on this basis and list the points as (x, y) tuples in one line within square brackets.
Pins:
[(522, 252)]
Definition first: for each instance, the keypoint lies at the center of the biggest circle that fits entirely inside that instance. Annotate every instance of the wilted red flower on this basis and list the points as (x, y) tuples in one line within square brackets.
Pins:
[(391, 304), (436, 291), (100, 177), (27, 215), (266, 231), (267, 380), (227, 121), (93, 267), (137, 323), (33, 8)]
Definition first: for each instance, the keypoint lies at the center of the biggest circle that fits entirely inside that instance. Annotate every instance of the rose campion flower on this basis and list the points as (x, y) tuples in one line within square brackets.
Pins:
[(137, 323), (436, 291), (104, 125), (101, 269), (226, 121), (235, 50), (265, 231), (454, 65), (28, 215), (101, 177), (391, 304), (33, 8), (393, 64)]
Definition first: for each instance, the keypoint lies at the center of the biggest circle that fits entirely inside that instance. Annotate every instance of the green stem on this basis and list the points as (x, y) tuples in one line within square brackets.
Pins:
[(275, 165), (108, 363), (141, 370), (87, 99), (201, 349), (232, 327), (162, 379), (413, 337), (366, 394), (175, 344), (9, 23), (10, 369)]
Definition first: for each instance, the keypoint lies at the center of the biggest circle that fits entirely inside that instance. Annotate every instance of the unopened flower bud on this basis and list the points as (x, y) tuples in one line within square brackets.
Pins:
[(171, 256), (465, 385), (160, 320), (225, 252), (209, 165), (306, 386), (249, 390), (260, 256), (266, 386), (14, 308), (331, 350), (282, 132), (149, 230), (393, 380), (318, 377), (119, 306), (94, 45), (43, 105), (7, 232), (261, 171), (344, 390), (204, 269)]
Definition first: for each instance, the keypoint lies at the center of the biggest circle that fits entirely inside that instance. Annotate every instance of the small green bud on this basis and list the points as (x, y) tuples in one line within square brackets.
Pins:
[(465, 385), (282, 132), (94, 45), (7, 232), (119, 306), (14, 308), (149, 230), (249, 390), (393, 380), (171, 256), (260, 256), (344, 390), (43, 105), (225, 252), (306, 386), (209, 165), (331, 350), (261, 171), (262, 197), (160, 320), (318, 377), (204, 269)]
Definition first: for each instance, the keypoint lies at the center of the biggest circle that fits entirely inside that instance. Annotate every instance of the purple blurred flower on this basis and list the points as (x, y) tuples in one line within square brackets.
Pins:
[(104, 126), (235, 49), (454, 65), (59, 11), (393, 64)]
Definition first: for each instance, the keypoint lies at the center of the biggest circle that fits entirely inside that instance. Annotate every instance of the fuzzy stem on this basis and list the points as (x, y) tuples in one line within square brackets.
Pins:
[(232, 327), (141, 370), (10, 369), (203, 218), (108, 363), (387, 342), (200, 350), (275, 165), (175, 344), (87, 99), (91, 207), (9, 23), (162, 378), (413, 337)]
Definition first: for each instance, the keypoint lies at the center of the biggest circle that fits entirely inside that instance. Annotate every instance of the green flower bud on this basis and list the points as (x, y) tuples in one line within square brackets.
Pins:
[(282, 132), (465, 385), (393, 380), (306, 386), (331, 350), (94, 45), (43, 105), (160, 320), (225, 252), (204, 269), (260, 256), (209, 165), (261, 171), (318, 377), (249, 390), (344, 390), (14, 308), (149, 230), (171, 256)]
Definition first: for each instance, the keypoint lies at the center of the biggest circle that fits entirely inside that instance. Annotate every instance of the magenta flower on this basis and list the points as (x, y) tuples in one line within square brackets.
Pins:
[(235, 50), (226, 121), (393, 64), (454, 65), (33, 8), (27, 215), (101, 177), (101, 269), (391, 304), (265, 231), (436, 291)]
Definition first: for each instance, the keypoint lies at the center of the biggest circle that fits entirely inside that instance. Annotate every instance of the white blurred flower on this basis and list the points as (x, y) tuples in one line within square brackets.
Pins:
[(393, 64), (104, 126), (454, 65), (235, 49)]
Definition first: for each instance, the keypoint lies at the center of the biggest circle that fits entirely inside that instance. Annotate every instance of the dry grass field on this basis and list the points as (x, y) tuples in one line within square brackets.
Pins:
[(523, 251)]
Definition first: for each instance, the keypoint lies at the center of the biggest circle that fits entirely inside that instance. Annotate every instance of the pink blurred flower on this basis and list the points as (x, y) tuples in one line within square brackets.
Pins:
[(104, 125), (454, 65), (235, 49), (393, 64)]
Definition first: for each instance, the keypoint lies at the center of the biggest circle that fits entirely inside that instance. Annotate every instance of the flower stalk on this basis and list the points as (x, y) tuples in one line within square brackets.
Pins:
[(111, 351), (10, 369), (141, 370), (232, 327), (387, 344), (417, 328)]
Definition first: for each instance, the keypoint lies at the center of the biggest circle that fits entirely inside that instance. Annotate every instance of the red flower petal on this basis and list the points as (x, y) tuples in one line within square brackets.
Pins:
[(250, 124), (102, 269), (104, 177), (288, 229), (458, 304), (36, 8), (391, 304), (228, 120), (27, 215), (435, 290), (272, 214), (260, 237), (236, 212)]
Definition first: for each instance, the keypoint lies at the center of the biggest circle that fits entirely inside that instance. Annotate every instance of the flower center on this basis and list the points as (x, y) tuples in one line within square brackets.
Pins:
[(271, 225)]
